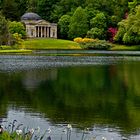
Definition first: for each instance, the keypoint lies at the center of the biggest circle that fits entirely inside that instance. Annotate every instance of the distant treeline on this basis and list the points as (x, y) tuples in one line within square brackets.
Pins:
[(80, 18)]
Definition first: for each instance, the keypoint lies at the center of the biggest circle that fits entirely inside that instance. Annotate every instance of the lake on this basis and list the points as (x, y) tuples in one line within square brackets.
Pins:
[(95, 91)]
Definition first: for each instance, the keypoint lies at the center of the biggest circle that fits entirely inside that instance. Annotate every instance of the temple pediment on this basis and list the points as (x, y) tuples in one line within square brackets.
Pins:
[(43, 22)]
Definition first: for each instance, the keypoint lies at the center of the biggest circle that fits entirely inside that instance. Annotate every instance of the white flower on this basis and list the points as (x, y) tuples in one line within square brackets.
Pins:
[(69, 126), (49, 130), (31, 131), (103, 138), (38, 129), (65, 131), (19, 132)]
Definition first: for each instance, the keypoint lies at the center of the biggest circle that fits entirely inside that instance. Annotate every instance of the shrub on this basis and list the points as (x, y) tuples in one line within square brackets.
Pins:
[(97, 45), (78, 40), (129, 29), (89, 43), (17, 27), (96, 33), (83, 40), (111, 33), (18, 39)]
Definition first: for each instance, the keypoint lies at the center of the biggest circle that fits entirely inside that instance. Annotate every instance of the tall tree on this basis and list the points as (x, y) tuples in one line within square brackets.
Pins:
[(63, 7), (129, 29), (32, 6), (63, 24), (3, 30), (78, 25), (14, 9), (45, 7)]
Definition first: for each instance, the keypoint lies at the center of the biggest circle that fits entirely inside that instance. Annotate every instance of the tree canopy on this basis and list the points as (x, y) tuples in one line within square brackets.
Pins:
[(81, 18), (129, 29)]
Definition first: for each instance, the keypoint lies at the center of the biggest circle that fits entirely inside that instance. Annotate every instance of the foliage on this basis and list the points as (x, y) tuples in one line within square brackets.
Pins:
[(96, 33), (17, 27), (14, 9), (89, 43), (99, 21), (129, 29), (97, 45), (17, 38), (133, 4), (44, 8), (111, 33), (32, 5), (98, 27), (84, 40), (63, 24), (78, 24), (3, 30), (95, 17)]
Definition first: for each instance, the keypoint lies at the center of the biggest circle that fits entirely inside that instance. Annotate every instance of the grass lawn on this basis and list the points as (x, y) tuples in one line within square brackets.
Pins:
[(50, 44), (125, 48), (9, 49), (16, 51), (42, 44)]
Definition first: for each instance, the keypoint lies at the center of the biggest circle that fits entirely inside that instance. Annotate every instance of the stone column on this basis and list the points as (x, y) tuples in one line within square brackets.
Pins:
[(45, 31), (38, 31), (35, 32), (41, 31), (51, 34), (48, 31)]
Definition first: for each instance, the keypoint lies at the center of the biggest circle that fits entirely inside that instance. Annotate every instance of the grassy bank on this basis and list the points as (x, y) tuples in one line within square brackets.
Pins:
[(15, 51), (42, 44), (9, 49), (118, 47)]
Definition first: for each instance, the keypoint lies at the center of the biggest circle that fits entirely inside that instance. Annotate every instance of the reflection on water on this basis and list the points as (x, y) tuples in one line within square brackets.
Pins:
[(105, 98)]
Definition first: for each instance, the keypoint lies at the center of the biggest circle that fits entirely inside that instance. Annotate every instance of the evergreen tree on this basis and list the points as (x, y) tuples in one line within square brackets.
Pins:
[(78, 25), (63, 24), (14, 9), (32, 6), (3, 30), (45, 7)]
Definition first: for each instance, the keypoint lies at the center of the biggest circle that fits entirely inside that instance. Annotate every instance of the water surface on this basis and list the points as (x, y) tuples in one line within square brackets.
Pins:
[(97, 92)]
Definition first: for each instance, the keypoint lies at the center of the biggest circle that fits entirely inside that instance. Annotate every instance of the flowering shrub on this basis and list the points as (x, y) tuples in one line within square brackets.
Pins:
[(83, 40), (86, 40), (112, 32), (90, 43), (78, 40)]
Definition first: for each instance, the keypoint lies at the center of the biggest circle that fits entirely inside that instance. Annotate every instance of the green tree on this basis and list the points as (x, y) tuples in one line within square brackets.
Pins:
[(78, 25), (14, 9), (3, 30), (133, 4), (32, 6), (45, 7), (65, 7), (17, 27), (99, 21), (98, 26), (129, 29), (96, 33), (63, 24)]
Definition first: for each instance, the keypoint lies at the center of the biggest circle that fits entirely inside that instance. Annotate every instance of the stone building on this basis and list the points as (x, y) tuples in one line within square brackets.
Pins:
[(36, 27)]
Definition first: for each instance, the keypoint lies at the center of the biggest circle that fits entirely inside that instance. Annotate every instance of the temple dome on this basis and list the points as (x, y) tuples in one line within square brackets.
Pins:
[(31, 16)]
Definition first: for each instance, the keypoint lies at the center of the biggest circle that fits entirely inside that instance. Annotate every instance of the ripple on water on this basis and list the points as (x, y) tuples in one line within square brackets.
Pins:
[(26, 62)]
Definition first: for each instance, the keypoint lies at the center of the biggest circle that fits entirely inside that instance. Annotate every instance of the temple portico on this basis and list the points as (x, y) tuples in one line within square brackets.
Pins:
[(38, 28)]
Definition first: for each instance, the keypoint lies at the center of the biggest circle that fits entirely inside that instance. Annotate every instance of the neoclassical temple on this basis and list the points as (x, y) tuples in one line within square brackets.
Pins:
[(36, 27)]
